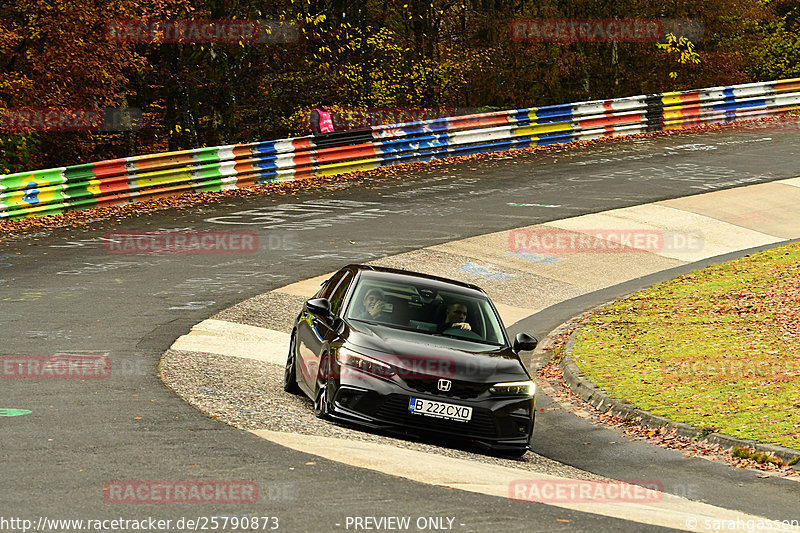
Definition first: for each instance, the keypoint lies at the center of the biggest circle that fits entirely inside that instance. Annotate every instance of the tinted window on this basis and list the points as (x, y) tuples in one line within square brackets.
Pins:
[(418, 306), (328, 287), (339, 291)]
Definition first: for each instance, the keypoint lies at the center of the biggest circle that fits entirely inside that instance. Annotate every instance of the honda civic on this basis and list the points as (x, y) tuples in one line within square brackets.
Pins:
[(402, 351)]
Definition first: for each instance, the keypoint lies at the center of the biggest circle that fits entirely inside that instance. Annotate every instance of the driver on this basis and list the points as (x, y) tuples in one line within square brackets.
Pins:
[(455, 316)]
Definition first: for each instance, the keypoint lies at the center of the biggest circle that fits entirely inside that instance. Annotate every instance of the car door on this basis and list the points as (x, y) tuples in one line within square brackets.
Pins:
[(314, 333)]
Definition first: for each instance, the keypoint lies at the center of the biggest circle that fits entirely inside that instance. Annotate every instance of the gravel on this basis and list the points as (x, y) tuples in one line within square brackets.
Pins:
[(273, 310), (248, 394)]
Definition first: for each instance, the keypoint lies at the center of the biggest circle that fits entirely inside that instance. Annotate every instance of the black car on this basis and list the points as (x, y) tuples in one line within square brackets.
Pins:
[(397, 350)]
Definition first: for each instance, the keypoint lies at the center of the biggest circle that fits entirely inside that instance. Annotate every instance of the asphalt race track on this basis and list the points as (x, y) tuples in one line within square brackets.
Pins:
[(64, 292)]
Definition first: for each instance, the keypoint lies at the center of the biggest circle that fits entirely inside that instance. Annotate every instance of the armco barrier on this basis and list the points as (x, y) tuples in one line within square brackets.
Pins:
[(51, 191)]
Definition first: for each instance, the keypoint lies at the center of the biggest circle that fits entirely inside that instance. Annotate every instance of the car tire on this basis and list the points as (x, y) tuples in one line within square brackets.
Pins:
[(290, 371)]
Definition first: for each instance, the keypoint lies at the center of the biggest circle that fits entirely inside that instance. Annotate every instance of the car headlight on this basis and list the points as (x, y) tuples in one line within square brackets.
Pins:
[(514, 388), (365, 364)]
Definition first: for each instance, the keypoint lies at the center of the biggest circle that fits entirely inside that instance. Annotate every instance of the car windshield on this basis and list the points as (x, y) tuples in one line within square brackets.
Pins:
[(426, 308)]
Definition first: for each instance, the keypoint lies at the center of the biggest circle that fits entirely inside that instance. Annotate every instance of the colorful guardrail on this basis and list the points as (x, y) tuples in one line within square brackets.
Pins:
[(56, 190)]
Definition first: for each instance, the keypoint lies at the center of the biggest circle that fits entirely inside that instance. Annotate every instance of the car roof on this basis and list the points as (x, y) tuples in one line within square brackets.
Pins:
[(377, 271)]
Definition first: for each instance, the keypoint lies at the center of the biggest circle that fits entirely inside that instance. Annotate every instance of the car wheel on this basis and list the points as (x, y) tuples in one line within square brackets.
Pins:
[(290, 372)]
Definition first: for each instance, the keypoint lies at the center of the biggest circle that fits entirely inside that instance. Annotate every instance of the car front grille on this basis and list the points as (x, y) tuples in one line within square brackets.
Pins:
[(458, 389), (395, 409)]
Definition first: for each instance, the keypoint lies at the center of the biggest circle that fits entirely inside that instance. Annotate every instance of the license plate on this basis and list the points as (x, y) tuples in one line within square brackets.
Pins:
[(450, 411)]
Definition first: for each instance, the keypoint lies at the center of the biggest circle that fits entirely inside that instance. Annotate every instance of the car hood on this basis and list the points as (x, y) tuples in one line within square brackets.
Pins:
[(422, 355)]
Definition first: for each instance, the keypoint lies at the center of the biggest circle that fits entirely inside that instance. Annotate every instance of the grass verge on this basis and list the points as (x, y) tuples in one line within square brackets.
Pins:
[(716, 348)]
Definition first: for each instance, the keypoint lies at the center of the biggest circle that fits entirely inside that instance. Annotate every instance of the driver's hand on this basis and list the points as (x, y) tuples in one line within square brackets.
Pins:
[(375, 308), (462, 325)]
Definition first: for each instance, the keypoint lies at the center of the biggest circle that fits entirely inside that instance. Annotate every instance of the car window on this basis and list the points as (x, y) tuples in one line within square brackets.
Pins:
[(339, 291), (422, 308), (328, 287), (393, 303), (481, 318)]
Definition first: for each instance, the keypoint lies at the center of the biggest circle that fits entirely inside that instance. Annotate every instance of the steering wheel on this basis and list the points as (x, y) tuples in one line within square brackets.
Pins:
[(463, 333)]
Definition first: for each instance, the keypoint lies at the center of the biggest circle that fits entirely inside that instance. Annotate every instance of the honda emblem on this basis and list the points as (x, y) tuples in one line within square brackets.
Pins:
[(444, 385)]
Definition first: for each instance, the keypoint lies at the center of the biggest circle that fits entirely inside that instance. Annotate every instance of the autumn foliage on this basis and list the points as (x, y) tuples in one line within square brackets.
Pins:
[(360, 54)]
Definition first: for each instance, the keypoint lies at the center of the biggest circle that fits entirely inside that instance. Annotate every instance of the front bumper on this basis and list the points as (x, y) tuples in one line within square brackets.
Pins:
[(497, 423)]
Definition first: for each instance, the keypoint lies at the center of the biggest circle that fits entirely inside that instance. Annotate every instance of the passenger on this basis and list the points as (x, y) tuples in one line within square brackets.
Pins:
[(372, 304), (455, 316)]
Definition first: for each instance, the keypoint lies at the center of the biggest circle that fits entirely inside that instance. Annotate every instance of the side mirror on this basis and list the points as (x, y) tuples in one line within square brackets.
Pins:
[(320, 307), (523, 341)]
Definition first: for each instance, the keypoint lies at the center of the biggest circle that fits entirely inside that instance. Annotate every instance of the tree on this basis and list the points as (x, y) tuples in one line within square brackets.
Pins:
[(58, 54)]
